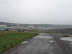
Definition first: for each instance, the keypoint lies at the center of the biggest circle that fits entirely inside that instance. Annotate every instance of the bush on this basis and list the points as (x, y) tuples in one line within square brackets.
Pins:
[(65, 36)]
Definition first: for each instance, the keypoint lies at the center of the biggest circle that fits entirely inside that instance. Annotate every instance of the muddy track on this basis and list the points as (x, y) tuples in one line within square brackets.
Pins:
[(64, 45), (43, 44)]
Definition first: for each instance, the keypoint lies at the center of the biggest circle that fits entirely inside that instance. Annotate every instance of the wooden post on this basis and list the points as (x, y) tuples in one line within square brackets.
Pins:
[(4, 46), (11, 44)]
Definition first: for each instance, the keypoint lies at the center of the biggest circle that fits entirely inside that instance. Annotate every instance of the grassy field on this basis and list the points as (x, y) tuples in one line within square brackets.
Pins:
[(10, 39), (42, 32)]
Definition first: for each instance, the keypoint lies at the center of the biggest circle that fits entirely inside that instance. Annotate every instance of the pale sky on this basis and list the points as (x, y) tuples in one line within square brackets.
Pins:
[(36, 11)]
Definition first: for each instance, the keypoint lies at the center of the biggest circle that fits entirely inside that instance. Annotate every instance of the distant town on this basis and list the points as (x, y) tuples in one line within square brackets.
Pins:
[(18, 27), (26, 27)]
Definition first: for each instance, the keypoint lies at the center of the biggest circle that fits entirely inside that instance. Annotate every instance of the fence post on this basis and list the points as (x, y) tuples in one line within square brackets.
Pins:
[(11, 44), (15, 42), (19, 40), (4, 46)]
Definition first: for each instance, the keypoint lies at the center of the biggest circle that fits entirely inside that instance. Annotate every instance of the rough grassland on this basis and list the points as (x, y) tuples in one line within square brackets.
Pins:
[(10, 39), (42, 32)]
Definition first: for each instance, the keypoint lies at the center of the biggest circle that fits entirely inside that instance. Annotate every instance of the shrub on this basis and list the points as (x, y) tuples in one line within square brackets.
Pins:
[(65, 36)]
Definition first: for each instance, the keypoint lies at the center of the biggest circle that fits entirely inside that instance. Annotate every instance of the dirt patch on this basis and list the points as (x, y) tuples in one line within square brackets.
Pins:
[(65, 46)]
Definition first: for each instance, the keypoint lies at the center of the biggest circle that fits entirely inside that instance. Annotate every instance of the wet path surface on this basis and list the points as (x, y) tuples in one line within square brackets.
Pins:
[(41, 44)]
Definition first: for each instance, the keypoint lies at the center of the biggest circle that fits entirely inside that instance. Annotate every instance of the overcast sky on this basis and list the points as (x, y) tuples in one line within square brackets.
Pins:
[(36, 11)]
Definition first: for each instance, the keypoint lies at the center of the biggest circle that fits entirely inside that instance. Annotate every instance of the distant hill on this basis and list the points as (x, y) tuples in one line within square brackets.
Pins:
[(66, 30), (53, 26), (12, 24)]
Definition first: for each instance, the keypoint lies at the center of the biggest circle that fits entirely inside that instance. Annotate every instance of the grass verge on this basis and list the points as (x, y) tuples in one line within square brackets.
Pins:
[(9, 39)]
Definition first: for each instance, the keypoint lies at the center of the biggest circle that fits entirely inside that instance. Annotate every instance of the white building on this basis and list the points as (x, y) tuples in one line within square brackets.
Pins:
[(3, 25)]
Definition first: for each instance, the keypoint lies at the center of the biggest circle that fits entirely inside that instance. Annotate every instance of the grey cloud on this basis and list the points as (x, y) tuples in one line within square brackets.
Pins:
[(36, 11)]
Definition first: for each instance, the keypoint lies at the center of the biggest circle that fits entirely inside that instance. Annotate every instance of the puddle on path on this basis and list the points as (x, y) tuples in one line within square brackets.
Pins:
[(66, 38)]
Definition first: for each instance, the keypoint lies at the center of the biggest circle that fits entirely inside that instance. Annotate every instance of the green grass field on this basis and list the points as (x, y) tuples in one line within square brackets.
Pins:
[(10, 39), (42, 32)]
